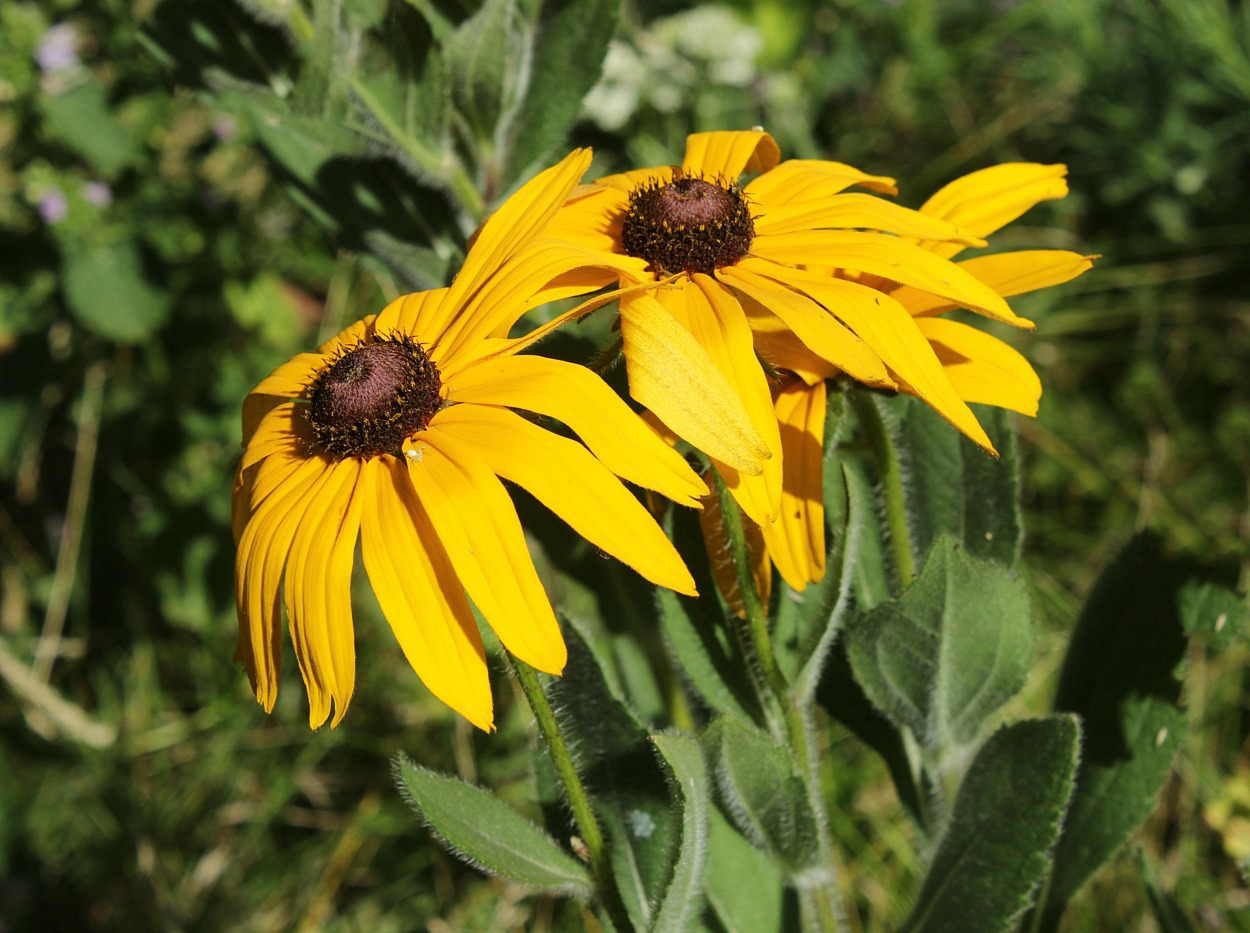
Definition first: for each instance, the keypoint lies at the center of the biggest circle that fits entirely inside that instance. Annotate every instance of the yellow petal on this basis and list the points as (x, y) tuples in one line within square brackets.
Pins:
[(636, 178), (718, 323), (478, 526), (796, 540), (727, 155), (593, 221), (562, 475), (721, 560), (576, 396), (798, 180), (1007, 273), (886, 327), (259, 561), (814, 325), (982, 368), (848, 211), (989, 199), (670, 374), (891, 258), (318, 592), (418, 315), (420, 594), (517, 222), (276, 431)]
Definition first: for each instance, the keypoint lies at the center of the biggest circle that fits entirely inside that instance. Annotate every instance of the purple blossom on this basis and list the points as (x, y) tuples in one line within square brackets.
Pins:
[(225, 129), (53, 207), (58, 49), (97, 193)]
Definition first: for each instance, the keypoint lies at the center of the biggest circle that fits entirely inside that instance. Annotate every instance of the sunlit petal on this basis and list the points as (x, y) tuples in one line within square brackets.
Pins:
[(797, 180), (796, 540), (849, 211), (983, 368), (576, 396), (728, 154), (1007, 273), (420, 594)]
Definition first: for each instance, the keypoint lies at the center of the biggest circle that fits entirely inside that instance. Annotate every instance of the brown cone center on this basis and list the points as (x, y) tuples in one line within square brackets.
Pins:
[(687, 225)]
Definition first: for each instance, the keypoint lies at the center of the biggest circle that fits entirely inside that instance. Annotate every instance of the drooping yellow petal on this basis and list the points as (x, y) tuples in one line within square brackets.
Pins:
[(1007, 273), (259, 561), (809, 180), (420, 595), (796, 540), (517, 222), (581, 491), (886, 327), (670, 374), (891, 258), (848, 211), (989, 199), (576, 396), (318, 592), (982, 368), (727, 155), (811, 323), (716, 541), (477, 524), (717, 321)]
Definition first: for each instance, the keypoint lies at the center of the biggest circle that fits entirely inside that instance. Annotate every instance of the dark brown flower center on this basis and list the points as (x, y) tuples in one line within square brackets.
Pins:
[(373, 397), (688, 225)]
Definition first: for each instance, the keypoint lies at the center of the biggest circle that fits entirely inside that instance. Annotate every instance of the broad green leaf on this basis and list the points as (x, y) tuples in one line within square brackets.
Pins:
[(759, 788), (1006, 818), (109, 293), (870, 576), (628, 788), (952, 486), (698, 632), (570, 43), (485, 60), (487, 833), (943, 657), (1120, 677), (1213, 610), (81, 118), (683, 898), (745, 887)]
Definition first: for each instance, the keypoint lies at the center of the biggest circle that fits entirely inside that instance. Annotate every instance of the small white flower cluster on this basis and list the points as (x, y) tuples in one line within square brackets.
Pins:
[(677, 59)]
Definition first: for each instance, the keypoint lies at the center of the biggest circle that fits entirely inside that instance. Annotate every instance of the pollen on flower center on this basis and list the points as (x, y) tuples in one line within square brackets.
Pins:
[(688, 225), (373, 397)]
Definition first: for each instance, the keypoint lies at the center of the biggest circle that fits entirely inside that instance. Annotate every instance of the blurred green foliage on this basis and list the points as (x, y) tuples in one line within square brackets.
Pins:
[(171, 229)]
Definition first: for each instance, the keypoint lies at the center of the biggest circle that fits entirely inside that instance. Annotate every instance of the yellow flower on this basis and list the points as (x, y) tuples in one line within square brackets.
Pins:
[(791, 250), (981, 368), (397, 433)]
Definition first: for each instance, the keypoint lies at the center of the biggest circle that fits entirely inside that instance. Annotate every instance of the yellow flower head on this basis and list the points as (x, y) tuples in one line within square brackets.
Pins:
[(397, 433), (817, 280)]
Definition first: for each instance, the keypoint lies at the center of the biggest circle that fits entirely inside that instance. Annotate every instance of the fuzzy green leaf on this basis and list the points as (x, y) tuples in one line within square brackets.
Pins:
[(684, 895), (1006, 818), (953, 487), (1120, 677), (487, 833), (745, 886), (761, 791), (942, 658), (485, 65), (570, 43)]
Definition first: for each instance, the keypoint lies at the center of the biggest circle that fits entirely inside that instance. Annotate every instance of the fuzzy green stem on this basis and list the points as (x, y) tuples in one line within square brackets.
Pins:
[(891, 477), (579, 802)]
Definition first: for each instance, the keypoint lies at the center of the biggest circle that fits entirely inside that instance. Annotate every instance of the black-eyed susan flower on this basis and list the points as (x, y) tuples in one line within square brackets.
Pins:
[(397, 433), (791, 245), (980, 367)]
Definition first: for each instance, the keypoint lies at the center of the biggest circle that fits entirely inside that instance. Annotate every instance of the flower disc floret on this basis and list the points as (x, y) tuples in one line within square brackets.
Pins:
[(373, 397), (688, 225)]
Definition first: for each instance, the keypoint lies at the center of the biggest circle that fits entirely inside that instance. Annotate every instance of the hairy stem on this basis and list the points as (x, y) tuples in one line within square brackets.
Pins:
[(891, 477)]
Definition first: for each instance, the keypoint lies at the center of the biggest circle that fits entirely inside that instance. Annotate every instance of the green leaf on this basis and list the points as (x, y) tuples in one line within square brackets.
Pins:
[(1005, 820), (108, 292), (745, 887), (485, 65), (699, 634), (942, 658), (684, 895), (870, 577), (82, 119), (487, 833), (953, 487), (1214, 611), (1120, 677), (569, 46), (761, 791), (628, 788)]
